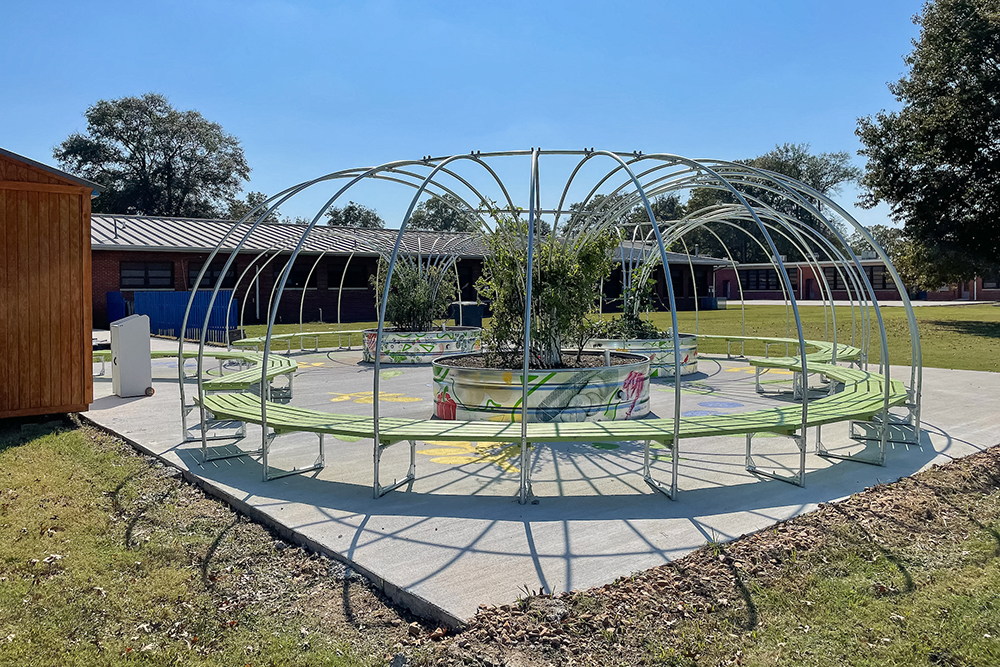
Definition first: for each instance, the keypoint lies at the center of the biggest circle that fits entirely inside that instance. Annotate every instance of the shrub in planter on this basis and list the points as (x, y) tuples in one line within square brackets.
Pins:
[(575, 386), (566, 272), (420, 292)]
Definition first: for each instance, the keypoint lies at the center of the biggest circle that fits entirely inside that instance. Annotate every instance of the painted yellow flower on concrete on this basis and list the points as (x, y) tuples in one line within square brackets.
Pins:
[(459, 453), (366, 397)]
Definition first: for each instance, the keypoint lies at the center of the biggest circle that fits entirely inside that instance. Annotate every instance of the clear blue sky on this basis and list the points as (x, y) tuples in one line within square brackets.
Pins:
[(312, 87)]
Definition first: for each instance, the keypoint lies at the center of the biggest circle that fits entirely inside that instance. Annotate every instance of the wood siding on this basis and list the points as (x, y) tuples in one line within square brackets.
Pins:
[(45, 304)]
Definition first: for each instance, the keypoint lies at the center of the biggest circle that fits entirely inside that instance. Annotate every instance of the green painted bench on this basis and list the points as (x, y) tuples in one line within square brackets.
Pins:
[(257, 341), (862, 397), (824, 349)]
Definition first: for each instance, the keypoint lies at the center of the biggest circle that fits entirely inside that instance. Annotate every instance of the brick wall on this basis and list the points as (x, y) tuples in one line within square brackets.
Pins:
[(356, 304)]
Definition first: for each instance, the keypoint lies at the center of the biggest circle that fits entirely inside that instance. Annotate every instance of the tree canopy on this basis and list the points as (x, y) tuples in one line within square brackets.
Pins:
[(936, 161), (240, 207), (154, 159), (354, 215), (826, 173), (445, 214)]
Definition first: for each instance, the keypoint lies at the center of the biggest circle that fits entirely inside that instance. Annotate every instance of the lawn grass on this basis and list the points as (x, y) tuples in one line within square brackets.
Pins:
[(105, 556), (959, 337)]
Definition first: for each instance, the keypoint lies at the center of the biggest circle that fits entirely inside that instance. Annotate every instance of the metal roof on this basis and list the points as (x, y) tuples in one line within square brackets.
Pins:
[(140, 232), (639, 252), (159, 233), (58, 173)]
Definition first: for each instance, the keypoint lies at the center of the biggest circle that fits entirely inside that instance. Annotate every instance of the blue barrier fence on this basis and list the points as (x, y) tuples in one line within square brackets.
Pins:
[(166, 313)]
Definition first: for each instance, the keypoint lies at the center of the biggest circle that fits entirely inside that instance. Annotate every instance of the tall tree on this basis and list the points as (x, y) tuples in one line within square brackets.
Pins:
[(826, 173), (240, 207), (936, 162), (445, 214), (354, 215), (154, 159)]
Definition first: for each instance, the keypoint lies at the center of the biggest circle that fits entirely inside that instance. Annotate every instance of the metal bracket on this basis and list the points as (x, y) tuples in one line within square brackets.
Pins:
[(671, 490), (797, 479), (266, 449), (411, 474)]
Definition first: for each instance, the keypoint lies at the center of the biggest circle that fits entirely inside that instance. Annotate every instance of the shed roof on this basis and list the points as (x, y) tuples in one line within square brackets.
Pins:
[(52, 171)]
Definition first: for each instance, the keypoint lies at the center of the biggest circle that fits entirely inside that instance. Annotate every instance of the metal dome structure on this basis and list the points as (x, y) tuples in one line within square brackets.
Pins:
[(769, 208)]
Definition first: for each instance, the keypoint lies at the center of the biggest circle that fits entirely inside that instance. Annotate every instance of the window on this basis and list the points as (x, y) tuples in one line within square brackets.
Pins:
[(879, 277), (297, 278), (834, 278), (211, 276), (765, 279), (357, 274), (146, 275)]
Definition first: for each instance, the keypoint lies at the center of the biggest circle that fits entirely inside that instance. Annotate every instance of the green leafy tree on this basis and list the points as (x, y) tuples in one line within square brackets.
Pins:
[(154, 159), (354, 215), (936, 162), (918, 268), (240, 207), (566, 272), (826, 173), (444, 214), (420, 292)]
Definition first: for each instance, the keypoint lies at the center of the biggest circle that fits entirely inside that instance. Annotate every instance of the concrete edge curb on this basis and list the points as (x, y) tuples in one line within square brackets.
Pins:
[(414, 603)]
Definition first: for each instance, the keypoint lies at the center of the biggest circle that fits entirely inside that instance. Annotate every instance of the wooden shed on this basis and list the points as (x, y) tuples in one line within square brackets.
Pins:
[(46, 351)]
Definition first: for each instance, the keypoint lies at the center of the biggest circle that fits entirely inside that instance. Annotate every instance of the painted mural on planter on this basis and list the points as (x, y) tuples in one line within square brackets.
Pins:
[(603, 393), (659, 350), (420, 347)]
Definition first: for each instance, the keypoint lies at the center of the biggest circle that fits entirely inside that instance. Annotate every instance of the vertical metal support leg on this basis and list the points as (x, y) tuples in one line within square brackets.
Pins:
[(380, 490), (675, 467), (798, 479), (378, 458), (756, 380), (647, 471), (412, 473), (522, 494), (265, 448)]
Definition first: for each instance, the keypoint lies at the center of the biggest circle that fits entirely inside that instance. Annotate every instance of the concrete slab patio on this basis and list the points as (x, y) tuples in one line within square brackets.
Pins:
[(456, 538)]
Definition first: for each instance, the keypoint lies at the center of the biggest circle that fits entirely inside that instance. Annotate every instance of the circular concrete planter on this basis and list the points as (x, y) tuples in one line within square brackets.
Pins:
[(556, 395), (659, 350), (420, 347)]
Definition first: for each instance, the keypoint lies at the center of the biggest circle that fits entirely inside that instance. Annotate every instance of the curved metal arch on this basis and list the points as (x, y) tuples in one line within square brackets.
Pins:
[(916, 363), (268, 206), (783, 273), (796, 189), (388, 279), (884, 357), (741, 170), (805, 250)]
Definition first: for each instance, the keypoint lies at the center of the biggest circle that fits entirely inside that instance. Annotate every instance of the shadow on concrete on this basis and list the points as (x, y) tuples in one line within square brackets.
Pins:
[(349, 507)]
